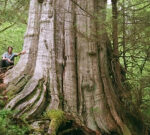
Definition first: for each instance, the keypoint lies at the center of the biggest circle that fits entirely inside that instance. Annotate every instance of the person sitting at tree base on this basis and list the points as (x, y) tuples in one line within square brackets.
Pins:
[(8, 57)]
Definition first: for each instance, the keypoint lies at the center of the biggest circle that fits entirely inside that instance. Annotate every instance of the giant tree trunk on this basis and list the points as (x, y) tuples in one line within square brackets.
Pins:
[(67, 66)]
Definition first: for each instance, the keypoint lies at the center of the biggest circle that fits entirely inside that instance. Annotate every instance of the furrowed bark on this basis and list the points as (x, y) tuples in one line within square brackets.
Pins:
[(69, 75), (60, 46), (85, 78)]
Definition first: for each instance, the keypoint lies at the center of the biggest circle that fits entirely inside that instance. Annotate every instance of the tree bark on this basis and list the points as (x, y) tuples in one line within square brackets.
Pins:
[(66, 66)]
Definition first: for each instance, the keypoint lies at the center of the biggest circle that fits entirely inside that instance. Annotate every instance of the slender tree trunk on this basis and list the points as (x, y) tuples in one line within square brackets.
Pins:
[(66, 67), (124, 36), (118, 76)]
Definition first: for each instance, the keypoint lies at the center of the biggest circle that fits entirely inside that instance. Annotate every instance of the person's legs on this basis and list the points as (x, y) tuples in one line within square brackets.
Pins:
[(4, 63), (0, 63), (2, 66)]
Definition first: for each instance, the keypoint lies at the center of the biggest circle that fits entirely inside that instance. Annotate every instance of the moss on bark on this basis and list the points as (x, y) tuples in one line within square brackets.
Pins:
[(57, 117)]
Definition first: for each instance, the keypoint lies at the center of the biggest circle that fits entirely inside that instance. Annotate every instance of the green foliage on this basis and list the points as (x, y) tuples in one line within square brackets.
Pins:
[(13, 11), (12, 37), (137, 30), (2, 102), (133, 32), (13, 20), (8, 126)]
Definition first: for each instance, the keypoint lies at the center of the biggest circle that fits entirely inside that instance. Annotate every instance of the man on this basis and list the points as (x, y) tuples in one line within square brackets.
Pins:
[(8, 57)]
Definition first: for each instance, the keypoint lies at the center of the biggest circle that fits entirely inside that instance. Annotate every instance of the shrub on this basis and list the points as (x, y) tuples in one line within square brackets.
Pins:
[(8, 126)]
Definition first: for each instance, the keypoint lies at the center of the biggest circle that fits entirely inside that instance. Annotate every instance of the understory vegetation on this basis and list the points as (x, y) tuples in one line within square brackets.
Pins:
[(11, 126)]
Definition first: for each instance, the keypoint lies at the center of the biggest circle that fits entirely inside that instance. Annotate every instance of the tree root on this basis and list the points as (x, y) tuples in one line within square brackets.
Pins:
[(61, 123), (79, 125), (66, 123), (30, 99), (57, 118)]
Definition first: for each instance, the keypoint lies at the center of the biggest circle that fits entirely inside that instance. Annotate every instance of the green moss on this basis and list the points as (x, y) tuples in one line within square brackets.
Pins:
[(9, 126), (13, 89), (57, 118), (2, 103)]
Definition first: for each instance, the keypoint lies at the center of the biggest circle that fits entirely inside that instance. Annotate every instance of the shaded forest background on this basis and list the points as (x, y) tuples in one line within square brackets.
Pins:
[(134, 44)]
